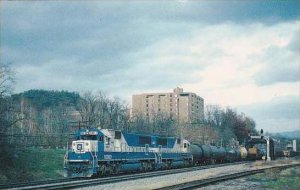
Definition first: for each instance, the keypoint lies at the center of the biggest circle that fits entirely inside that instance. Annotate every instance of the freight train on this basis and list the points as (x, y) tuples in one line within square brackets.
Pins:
[(98, 152)]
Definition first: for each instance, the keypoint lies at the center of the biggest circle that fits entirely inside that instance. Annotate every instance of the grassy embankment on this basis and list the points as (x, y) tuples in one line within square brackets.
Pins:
[(279, 179), (33, 164)]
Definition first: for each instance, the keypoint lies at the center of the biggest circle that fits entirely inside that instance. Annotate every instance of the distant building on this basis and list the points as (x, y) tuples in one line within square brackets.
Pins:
[(186, 107), (294, 145)]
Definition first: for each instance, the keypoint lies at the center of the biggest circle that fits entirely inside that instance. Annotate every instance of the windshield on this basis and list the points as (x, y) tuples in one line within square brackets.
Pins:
[(88, 137)]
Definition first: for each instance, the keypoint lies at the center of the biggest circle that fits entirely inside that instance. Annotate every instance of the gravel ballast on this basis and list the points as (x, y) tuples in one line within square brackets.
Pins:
[(168, 180)]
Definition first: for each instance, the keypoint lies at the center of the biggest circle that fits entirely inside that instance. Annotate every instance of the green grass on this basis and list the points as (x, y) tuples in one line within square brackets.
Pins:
[(277, 179), (33, 164), (284, 183)]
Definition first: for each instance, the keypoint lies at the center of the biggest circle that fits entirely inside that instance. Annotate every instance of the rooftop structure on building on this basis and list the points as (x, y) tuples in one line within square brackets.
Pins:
[(186, 107)]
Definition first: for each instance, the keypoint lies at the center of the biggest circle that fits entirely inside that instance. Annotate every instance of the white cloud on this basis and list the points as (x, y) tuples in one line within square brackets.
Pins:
[(219, 62), (224, 53)]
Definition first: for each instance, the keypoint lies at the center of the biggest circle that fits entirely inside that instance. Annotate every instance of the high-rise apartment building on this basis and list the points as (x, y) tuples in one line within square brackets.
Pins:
[(186, 107)]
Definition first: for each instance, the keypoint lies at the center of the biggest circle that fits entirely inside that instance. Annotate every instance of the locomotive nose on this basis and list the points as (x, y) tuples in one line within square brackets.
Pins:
[(83, 146)]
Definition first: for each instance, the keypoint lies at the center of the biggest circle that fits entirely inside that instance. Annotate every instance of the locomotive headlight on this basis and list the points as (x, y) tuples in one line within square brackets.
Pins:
[(87, 144)]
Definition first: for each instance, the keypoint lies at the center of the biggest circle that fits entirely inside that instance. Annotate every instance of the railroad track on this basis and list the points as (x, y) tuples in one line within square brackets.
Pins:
[(213, 180), (75, 183), (34, 183)]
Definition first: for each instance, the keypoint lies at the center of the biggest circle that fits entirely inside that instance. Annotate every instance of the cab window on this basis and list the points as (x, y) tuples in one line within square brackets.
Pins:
[(107, 140), (88, 137)]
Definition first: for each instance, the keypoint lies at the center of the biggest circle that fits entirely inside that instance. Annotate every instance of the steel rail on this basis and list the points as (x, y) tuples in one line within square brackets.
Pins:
[(33, 183), (113, 179)]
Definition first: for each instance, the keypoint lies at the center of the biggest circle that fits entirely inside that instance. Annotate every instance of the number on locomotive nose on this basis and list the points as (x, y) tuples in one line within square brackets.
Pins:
[(79, 146)]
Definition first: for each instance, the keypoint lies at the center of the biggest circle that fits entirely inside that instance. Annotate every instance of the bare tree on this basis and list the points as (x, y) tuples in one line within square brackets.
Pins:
[(213, 115), (88, 108), (8, 113), (8, 116), (6, 80), (103, 112), (201, 134), (140, 124)]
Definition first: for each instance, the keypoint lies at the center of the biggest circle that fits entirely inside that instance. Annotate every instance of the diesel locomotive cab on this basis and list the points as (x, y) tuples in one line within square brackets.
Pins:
[(81, 160), (87, 141)]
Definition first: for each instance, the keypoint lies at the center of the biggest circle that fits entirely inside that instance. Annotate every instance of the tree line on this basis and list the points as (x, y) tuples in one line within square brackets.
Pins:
[(49, 118), (43, 113)]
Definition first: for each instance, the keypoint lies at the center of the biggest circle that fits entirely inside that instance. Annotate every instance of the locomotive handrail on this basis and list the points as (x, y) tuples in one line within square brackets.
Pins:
[(96, 154), (93, 160)]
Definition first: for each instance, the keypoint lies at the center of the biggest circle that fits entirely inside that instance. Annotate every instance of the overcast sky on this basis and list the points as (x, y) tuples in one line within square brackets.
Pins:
[(242, 54)]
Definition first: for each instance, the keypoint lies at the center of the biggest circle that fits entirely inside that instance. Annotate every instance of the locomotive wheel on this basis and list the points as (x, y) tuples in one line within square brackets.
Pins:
[(116, 169), (147, 166), (109, 170), (152, 166), (143, 166), (102, 170), (185, 163), (169, 165)]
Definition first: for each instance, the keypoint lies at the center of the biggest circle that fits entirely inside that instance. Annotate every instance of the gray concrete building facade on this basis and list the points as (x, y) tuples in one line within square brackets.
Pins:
[(187, 107)]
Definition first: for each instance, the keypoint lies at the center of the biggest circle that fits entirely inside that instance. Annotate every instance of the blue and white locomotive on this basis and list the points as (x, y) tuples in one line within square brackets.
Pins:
[(107, 151)]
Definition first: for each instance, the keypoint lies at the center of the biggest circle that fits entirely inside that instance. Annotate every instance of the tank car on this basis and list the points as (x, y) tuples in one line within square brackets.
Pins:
[(238, 154), (197, 153), (218, 154), (231, 155), (243, 152), (207, 154), (106, 151)]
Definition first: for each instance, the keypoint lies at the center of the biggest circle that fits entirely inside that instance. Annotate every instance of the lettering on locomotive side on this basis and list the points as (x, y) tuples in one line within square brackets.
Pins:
[(108, 157), (89, 133)]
